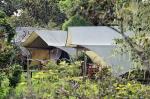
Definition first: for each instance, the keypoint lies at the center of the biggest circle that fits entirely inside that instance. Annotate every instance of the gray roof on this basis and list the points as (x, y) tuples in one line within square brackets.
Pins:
[(53, 38), (93, 35), (21, 32)]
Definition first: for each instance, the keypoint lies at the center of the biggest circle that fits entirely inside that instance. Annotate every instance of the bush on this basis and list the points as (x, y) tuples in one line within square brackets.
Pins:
[(4, 85), (63, 82), (16, 75), (142, 76)]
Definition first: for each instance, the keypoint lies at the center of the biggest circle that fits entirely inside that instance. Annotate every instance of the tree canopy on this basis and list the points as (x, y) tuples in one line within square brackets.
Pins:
[(6, 28), (10, 6), (42, 12), (97, 12), (75, 21)]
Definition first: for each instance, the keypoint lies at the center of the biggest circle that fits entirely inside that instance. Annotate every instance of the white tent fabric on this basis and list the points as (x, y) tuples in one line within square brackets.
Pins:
[(120, 64), (100, 40), (24, 51), (55, 54), (92, 35), (21, 32), (51, 38)]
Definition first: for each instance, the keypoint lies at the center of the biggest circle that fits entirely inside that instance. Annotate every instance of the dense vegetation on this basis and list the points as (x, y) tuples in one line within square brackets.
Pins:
[(64, 81)]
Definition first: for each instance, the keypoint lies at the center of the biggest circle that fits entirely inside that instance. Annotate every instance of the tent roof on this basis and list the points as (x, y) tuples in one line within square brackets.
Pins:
[(29, 36), (92, 35), (21, 32), (51, 38)]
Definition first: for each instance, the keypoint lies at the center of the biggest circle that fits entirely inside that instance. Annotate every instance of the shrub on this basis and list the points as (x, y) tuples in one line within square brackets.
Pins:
[(4, 85), (63, 82)]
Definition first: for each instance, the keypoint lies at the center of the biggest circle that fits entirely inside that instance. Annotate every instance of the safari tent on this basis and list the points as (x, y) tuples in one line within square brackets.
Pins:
[(100, 39), (42, 45), (21, 33), (46, 44)]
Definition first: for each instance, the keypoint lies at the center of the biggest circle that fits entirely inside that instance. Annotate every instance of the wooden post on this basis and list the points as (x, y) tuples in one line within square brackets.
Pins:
[(77, 53), (85, 66), (29, 78)]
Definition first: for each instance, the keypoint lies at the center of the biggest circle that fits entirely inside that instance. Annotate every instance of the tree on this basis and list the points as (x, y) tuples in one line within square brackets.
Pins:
[(75, 21), (6, 29), (10, 72), (10, 6), (44, 11), (98, 12), (24, 20), (134, 16)]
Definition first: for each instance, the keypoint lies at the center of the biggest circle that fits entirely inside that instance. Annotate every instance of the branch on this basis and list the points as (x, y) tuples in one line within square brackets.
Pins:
[(128, 40)]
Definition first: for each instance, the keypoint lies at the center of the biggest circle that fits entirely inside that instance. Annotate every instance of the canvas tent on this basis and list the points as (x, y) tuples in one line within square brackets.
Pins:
[(21, 33), (100, 40), (44, 44)]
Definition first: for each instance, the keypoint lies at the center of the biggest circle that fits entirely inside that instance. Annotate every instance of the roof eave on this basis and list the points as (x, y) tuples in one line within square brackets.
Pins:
[(29, 39)]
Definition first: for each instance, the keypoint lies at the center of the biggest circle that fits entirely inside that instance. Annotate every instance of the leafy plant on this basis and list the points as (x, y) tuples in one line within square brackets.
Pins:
[(4, 85), (64, 82)]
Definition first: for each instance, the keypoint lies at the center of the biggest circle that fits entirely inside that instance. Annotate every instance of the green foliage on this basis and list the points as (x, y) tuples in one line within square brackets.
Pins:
[(5, 54), (2, 14), (69, 7), (135, 17), (75, 21), (9, 78), (5, 27), (45, 83), (21, 89), (44, 12), (64, 82), (10, 6), (23, 20), (97, 12), (142, 76), (16, 75), (4, 85)]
